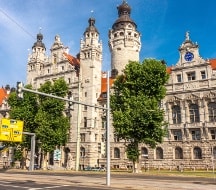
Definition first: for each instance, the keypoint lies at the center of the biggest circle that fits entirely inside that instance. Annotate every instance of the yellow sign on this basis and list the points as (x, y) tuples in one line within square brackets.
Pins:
[(11, 130)]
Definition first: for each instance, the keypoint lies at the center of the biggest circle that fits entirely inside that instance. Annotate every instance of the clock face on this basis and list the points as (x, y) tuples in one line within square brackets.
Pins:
[(189, 56)]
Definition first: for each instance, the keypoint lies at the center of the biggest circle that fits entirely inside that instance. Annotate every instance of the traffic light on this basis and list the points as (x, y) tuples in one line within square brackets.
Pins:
[(19, 89), (70, 104)]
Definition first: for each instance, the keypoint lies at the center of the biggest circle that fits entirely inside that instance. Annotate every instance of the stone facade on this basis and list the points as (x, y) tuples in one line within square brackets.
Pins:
[(190, 107)]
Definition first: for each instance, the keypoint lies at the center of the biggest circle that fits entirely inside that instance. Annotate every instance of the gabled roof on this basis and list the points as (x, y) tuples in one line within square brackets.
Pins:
[(73, 61), (3, 95)]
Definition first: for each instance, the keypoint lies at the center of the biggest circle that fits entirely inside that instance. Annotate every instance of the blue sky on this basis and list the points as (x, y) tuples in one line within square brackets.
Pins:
[(162, 23)]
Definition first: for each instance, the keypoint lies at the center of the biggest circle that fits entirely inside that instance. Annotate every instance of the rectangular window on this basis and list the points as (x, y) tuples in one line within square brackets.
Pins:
[(85, 94), (203, 74), (95, 122), (177, 135), (55, 60), (104, 122), (82, 137), (179, 78), (195, 135), (103, 138), (85, 122), (191, 76), (104, 95), (69, 80), (85, 108), (213, 134), (116, 139), (96, 137)]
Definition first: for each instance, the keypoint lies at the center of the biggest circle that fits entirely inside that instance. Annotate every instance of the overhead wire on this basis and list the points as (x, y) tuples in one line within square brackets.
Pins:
[(15, 22)]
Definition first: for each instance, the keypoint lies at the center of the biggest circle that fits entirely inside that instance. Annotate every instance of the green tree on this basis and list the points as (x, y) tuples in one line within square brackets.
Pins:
[(42, 115), (24, 109), (137, 116), (52, 124)]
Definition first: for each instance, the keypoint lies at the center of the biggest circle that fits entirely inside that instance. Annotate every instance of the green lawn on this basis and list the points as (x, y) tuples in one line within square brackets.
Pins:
[(184, 173)]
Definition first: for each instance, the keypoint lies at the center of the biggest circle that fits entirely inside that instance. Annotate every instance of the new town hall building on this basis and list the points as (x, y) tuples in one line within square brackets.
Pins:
[(190, 103)]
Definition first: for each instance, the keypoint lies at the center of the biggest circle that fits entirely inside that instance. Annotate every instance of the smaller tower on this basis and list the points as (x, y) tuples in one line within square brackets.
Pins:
[(90, 67), (124, 40), (57, 50), (36, 60)]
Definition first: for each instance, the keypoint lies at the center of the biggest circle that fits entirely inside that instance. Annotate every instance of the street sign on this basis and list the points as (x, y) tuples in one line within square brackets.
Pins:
[(57, 155), (11, 130)]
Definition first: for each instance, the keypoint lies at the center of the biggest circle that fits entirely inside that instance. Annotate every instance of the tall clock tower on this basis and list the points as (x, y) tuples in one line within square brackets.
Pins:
[(124, 40)]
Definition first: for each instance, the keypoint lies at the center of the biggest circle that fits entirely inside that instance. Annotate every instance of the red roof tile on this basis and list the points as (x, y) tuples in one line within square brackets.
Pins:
[(169, 70), (104, 84), (213, 63), (3, 95), (72, 60)]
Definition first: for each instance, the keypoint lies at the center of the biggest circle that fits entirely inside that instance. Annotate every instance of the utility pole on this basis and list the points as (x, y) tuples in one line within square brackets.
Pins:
[(108, 131), (31, 167)]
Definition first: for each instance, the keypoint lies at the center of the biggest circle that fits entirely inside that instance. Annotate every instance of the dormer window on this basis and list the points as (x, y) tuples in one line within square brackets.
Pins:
[(179, 78), (203, 75), (191, 76), (104, 95)]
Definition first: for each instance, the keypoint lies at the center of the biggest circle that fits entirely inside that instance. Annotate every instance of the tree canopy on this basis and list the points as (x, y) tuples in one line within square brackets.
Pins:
[(52, 124), (135, 104), (42, 115)]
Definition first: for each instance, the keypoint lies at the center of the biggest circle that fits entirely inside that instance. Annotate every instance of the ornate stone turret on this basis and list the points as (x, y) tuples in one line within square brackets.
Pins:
[(36, 59), (39, 42), (189, 52), (124, 40)]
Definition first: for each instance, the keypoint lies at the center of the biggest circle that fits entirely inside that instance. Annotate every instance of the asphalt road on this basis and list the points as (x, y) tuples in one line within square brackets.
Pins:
[(12, 180)]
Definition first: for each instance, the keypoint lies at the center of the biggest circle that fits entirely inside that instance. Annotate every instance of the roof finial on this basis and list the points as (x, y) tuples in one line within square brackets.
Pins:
[(187, 37)]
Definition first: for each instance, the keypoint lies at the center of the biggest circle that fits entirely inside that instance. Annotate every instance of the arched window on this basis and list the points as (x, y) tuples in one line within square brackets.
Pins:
[(176, 114), (116, 153), (194, 113), (212, 111), (178, 153), (82, 151), (197, 153), (144, 152), (159, 153)]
